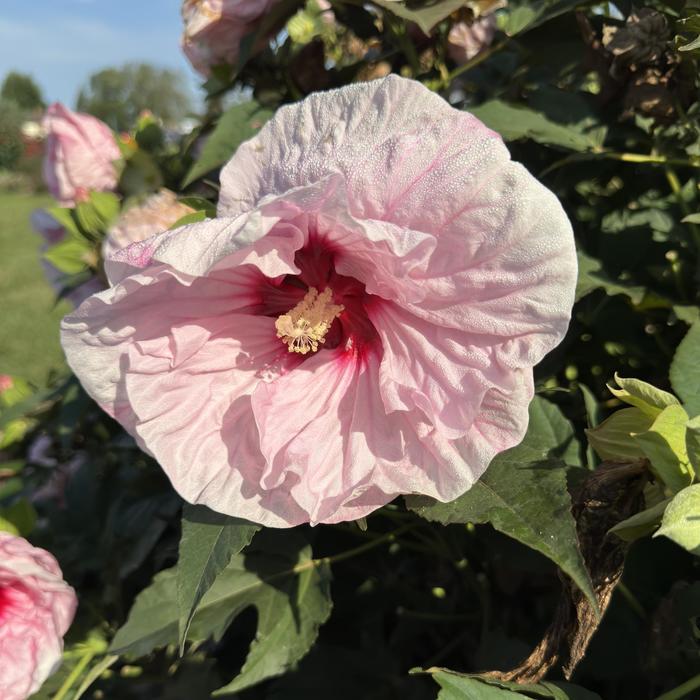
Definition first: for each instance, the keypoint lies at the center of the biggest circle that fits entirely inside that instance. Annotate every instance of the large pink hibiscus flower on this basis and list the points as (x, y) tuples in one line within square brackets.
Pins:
[(360, 321)]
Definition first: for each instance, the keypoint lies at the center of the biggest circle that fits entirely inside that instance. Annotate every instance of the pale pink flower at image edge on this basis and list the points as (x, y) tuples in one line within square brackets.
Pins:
[(214, 30), (36, 609), (79, 155), (451, 273)]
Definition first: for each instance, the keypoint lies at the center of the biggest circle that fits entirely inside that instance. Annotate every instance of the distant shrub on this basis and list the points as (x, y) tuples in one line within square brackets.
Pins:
[(11, 144)]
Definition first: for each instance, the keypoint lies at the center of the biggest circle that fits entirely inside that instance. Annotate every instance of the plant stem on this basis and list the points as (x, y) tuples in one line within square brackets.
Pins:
[(631, 600), (355, 551), (682, 690), (85, 659)]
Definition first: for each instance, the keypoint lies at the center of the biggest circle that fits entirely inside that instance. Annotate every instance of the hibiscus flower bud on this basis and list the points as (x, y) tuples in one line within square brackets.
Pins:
[(359, 321), (36, 609), (465, 41), (157, 213), (214, 30), (80, 155)]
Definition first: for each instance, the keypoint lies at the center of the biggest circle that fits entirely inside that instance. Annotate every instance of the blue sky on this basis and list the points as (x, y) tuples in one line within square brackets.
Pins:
[(61, 42)]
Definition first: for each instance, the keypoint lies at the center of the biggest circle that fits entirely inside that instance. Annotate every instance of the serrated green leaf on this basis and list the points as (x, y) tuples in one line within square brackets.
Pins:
[(685, 371), (524, 494), (277, 576), (644, 396), (640, 524), (426, 14), (460, 686), (89, 218), (69, 255), (517, 122), (612, 439), (681, 521), (663, 444), (208, 542), (237, 124), (591, 277)]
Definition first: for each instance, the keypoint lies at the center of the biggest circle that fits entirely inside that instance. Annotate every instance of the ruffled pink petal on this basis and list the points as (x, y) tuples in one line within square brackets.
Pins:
[(510, 273), (96, 337), (442, 372), (324, 430), (404, 154), (195, 410)]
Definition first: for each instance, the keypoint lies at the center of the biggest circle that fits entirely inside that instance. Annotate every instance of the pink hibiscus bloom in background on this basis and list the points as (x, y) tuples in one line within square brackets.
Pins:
[(157, 213), (36, 609), (214, 30), (465, 41), (80, 155), (359, 322)]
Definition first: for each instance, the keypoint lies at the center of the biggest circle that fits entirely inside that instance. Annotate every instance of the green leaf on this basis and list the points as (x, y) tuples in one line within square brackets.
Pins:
[(691, 219), (66, 217), (612, 439), (69, 256), (208, 542), (591, 277), (191, 218), (685, 371), (640, 524), (692, 442), (524, 494), (107, 206), (236, 125), (425, 14), (276, 575), (663, 445), (199, 204), (20, 517), (460, 686), (530, 15), (518, 122), (681, 521), (644, 396)]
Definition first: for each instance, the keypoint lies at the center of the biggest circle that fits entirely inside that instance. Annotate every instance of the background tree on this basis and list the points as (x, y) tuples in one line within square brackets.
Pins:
[(119, 95), (11, 145), (22, 90)]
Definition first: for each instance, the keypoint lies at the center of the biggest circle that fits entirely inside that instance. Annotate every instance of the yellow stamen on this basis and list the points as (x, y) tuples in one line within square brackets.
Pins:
[(306, 325)]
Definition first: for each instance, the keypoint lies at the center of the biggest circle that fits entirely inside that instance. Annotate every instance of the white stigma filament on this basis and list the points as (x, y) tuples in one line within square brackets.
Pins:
[(306, 325)]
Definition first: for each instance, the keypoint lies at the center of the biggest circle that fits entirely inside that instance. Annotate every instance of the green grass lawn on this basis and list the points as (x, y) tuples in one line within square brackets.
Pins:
[(29, 344)]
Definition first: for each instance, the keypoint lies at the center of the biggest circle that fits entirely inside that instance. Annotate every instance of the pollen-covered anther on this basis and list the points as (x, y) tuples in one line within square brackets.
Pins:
[(306, 325)]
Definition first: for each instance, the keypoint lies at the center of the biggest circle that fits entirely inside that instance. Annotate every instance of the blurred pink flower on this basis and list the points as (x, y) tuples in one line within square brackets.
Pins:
[(361, 321), (214, 29), (36, 609), (465, 41), (6, 382), (52, 232), (157, 213), (80, 152)]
